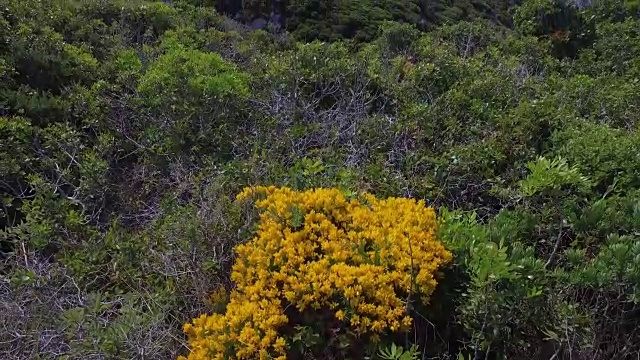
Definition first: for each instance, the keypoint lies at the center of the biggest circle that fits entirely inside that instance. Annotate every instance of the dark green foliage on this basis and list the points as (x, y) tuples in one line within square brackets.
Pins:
[(559, 21), (613, 165), (617, 55), (331, 20)]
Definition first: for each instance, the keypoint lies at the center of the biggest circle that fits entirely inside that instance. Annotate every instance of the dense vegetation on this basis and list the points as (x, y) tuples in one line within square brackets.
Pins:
[(359, 19), (128, 128)]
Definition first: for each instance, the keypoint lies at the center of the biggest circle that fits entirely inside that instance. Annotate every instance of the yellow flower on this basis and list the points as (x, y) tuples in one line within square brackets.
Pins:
[(311, 249), (279, 345)]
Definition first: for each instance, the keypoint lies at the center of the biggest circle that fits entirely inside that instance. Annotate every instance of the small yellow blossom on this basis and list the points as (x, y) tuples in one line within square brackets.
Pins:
[(280, 345)]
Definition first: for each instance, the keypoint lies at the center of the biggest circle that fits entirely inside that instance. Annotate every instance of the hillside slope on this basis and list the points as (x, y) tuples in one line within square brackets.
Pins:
[(128, 128)]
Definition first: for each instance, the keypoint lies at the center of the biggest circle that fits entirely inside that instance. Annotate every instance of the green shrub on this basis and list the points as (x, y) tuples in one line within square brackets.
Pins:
[(609, 156)]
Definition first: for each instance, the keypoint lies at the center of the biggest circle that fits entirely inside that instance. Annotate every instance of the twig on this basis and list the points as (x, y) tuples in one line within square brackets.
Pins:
[(24, 252), (476, 351), (555, 247)]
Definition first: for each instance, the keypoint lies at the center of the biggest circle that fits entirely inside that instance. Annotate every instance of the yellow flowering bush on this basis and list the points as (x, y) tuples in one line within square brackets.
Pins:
[(318, 251)]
